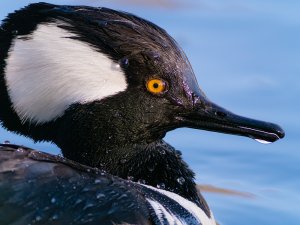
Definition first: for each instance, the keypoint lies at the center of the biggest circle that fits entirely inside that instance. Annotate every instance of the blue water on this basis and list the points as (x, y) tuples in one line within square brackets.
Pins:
[(246, 55)]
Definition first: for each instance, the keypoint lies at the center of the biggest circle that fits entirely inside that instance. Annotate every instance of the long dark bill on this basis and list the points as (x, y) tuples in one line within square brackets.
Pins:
[(209, 116)]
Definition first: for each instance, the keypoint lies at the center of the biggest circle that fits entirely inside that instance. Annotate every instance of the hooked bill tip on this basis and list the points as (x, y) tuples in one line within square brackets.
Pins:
[(270, 137)]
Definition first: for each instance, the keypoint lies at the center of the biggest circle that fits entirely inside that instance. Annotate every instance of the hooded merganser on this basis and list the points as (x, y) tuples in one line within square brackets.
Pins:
[(105, 86)]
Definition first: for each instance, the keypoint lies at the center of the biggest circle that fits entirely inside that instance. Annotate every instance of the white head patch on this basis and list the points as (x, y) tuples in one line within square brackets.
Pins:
[(47, 71)]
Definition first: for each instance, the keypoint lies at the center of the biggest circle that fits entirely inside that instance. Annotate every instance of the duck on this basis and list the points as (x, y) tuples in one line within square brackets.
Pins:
[(105, 86)]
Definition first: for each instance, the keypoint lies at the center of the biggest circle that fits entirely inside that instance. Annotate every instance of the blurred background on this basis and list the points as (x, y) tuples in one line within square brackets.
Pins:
[(246, 55)]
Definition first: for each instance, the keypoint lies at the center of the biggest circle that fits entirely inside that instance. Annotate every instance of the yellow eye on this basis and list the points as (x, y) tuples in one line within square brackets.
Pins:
[(156, 86)]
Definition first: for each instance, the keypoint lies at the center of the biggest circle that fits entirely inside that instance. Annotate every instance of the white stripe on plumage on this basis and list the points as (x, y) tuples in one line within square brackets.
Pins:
[(164, 214), (191, 207)]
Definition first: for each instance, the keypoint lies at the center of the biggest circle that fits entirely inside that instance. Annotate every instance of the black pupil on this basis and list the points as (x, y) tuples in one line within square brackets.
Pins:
[(155, 85)]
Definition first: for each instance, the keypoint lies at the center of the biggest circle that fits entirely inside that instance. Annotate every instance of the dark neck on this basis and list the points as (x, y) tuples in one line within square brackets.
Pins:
[(128, 151), (156, 164)]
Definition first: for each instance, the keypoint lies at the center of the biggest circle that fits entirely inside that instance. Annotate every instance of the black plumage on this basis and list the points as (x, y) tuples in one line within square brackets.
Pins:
[(38, 188)]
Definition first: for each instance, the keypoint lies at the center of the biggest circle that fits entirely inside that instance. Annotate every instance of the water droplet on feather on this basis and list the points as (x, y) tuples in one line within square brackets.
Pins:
[(54, 217), (141, 181), (20, 149), (130, 178), (124, 62), (97, 181), (123, 161), (180, 180), (100, 195), (161, 186), (53, 200)]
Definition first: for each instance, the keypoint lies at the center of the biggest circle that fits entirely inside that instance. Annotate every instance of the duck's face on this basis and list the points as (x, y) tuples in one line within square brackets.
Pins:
[(114, 67), (163, 94)]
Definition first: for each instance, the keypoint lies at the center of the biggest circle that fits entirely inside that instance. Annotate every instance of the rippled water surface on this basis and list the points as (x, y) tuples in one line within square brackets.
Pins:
[(246, 55)]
